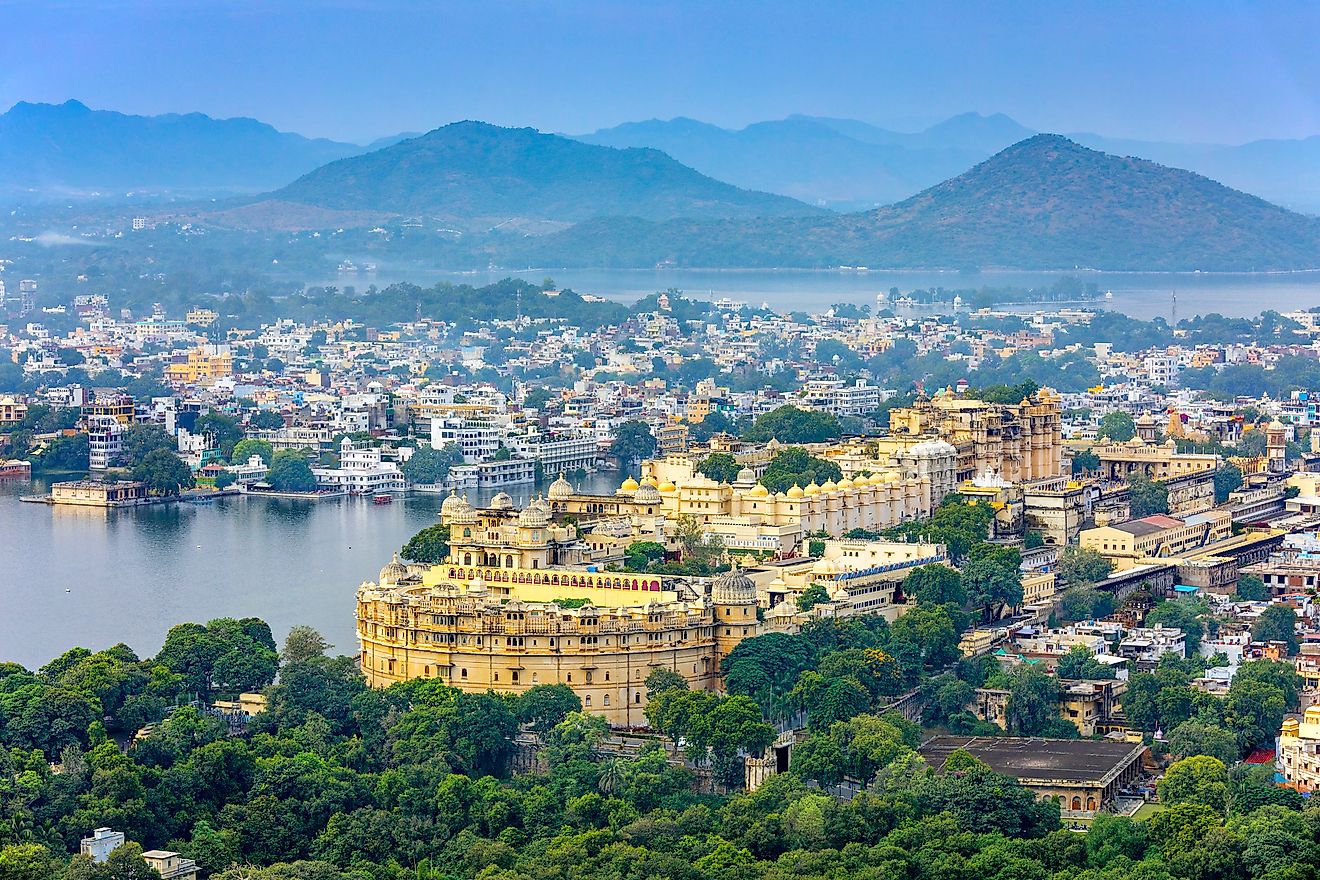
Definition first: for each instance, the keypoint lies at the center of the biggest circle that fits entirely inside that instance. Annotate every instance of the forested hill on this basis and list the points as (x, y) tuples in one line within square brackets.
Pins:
[(1043, 203), (479, 175)]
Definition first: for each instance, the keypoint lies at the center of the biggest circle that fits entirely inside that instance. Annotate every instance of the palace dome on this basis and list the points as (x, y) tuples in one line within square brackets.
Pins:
[(666, 487), (829, 486), (733, 588), (450, 505), (502, 501), (647, 494), (846, 483), (393, 572), (795, 491), (560, 489), (746, 475), (533, 516), (758, 491), (812, 489), (629, 485)]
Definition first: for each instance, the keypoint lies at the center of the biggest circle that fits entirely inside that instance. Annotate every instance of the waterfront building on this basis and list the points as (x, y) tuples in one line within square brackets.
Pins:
[(105, 441), (91, 493), (360, 472), (518, 603)]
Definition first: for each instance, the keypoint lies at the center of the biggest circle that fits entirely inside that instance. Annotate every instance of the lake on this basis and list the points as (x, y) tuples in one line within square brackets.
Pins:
[(1141, 295), (90, 577)]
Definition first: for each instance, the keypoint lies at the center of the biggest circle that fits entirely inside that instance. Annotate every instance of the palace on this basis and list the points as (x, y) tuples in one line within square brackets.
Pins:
[(518, 603), (1020, 441)]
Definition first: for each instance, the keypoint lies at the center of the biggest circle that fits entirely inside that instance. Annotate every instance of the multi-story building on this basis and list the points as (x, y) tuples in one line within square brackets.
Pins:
[(105, 441), (204, 365), (1298, 750), (361, 472), (12, 411), (1020, 442), (120, 407), (1152, 537), (516, 605)]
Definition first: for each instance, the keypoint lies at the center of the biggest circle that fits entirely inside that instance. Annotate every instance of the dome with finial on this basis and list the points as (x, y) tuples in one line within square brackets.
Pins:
[(647, 494), (666, 487), (629, 485), (795, 491), (758, 491), (393, 572), (733, 588), (650, 480), (451, 503), (464, 512), (502, 501), (560, 489), (746, 475), (812, 489), (534, 516)]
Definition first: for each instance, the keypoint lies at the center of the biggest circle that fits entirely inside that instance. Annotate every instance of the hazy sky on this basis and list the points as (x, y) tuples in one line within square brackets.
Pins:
[(1221, 71)]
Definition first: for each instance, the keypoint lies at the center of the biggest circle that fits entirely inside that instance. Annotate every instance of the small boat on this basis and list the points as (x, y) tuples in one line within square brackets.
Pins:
[(383, 498)]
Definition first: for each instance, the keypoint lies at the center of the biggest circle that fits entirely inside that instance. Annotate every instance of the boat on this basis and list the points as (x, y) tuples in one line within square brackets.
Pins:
[(382, 498)]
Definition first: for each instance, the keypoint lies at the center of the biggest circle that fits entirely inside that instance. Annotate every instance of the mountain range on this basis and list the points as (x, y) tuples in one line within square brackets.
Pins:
[(1046, 202), (473, 175), (850, 165), (69, 149)]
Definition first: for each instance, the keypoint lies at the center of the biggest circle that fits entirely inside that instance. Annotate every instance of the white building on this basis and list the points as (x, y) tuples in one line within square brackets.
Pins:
[(361, 472), (105, 441)]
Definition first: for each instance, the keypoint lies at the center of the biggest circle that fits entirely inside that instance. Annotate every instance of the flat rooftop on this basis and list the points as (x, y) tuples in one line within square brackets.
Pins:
[(1061, 760)]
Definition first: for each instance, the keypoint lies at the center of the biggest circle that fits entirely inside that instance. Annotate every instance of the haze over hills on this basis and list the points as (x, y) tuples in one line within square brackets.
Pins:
[(69, 148), (474, 174), (851, 165), (842, 163), (1043, 203)]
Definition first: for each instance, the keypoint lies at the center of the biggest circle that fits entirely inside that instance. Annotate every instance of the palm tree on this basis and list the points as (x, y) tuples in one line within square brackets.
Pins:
[(611, 777)]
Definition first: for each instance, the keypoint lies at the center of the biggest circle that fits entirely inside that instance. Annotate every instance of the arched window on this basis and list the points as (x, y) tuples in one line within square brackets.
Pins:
[(1076, 803), (586, 701), (605, 700), (508, 561), (637, 697), (467, 558), (1090, 803)]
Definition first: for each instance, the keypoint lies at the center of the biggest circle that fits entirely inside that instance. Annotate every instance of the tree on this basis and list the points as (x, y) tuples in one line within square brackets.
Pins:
[(67, 454), (289, 472), (1117, 426), (164, 473), (1085, 603), (1183, 614), (430, 545), (661, 679), (1228, 478), (1196, 737), (430, 465), (140, 439), (720, 467), (248, 447), (811, 597), (924, 637), (1085, 462), (544, 706), (1146, 497), (1079, 664), (1083, 567), (222, 429), (1250, 588), (1200, 779), (1278, 623), (993, 578), (267, 419), (935, 585), (633, 442), (1033, 702), (788, 424), (643, 555), (27, 861), (303, 644)]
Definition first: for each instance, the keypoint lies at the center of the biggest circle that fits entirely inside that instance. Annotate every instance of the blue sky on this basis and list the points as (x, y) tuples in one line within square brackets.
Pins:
[(1190, 71)]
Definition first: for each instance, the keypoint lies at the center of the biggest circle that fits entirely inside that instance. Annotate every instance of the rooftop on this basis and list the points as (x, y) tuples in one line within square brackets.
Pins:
[(1058, 760)]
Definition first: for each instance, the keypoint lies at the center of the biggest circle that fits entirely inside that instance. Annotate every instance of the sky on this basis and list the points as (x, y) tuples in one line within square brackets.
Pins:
[(1225, 72)]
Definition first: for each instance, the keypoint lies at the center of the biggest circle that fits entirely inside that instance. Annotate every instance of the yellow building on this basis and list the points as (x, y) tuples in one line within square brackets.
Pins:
[(1126, 544), (205, 364), (517, 604), (1019, 442), (12, 411), (201, 317), (1299, 750), (120, 407)]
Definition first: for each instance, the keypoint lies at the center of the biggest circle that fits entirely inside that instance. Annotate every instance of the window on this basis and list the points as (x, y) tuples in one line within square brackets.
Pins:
[(513, 674), (605, 700), (637, 697), (463, 673), (497, 676), (586, 701)]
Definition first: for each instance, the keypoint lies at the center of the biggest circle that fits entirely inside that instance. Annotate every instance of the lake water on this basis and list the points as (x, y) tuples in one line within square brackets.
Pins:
[(91, 577), (1141, 295)]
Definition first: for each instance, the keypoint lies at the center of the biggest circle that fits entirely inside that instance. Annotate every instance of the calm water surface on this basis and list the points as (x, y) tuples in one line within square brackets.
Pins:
[(90, 577), (1141, 295)]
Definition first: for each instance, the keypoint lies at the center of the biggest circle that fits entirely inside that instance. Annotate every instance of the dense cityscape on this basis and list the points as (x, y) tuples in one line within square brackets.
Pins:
[(674, 441)]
